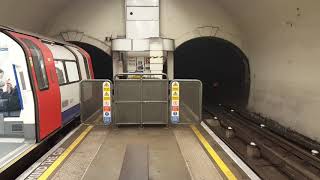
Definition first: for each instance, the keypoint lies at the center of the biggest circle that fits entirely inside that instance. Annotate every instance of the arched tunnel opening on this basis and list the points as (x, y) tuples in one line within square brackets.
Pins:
[(221, 66), (101, 61)]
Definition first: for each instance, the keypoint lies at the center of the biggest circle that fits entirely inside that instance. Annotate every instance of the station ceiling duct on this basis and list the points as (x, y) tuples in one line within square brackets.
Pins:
[(142, 28)]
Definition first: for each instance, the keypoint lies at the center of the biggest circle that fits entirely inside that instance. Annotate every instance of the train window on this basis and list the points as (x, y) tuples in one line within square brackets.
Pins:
[(72, 71), (39, 65), (60, 72), (86, 65)]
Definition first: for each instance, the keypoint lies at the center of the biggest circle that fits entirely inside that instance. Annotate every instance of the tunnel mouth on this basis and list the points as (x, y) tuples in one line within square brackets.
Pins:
[(221, 66), (101, 61)]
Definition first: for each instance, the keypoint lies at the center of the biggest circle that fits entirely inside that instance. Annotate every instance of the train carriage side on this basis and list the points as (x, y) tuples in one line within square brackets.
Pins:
[(69, 74), (39, 85), (39, 89), (29, 94), (87, 62)]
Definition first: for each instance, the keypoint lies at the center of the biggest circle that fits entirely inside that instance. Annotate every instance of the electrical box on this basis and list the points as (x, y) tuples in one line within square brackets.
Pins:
[(142, 13)]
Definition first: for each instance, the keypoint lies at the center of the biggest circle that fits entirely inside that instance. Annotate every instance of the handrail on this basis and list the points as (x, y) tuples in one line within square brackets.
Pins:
[(140, 74)]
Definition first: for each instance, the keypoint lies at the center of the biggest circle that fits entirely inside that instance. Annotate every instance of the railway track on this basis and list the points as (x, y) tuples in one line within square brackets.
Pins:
[(271, 156)]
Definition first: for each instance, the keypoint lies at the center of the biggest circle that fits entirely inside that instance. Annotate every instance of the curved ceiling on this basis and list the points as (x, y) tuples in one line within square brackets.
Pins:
[(31, 15), (35, 15)]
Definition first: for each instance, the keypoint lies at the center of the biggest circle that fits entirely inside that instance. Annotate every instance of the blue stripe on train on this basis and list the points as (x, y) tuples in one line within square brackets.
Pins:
[(70, 114)]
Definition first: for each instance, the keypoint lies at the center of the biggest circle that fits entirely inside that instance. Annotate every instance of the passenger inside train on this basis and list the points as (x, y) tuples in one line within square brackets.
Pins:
[(9, 98)]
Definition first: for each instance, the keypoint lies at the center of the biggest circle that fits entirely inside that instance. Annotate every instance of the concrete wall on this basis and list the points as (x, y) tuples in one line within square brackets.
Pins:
[(284, 53), (286, 62)]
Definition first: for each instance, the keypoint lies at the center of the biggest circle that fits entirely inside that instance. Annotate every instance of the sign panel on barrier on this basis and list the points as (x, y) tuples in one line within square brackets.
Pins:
[(175, 102), (106, 103)]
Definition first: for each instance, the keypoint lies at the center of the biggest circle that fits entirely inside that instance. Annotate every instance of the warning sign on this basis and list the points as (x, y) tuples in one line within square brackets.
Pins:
[(175, 108), (106, 108), (175, 93), (106, 103), (107, 94), (106, 85), (175, 102)]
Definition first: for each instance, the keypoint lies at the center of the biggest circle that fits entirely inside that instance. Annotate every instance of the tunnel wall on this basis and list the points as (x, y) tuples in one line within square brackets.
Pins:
[(283, 49), (285, 58)]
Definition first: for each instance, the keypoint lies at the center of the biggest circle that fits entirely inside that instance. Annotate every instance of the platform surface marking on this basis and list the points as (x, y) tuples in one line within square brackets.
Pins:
[(224, 168), (65, 154), (165, 159), (80, 160), (199, 164)]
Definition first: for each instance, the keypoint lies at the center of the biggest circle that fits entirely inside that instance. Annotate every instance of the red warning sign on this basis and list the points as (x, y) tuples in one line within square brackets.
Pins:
[(106, 108), (175, 108)]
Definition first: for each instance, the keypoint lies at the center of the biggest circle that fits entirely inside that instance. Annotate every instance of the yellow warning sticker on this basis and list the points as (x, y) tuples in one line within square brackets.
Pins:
[(106, 98), (175, 93), (106, 85), (106, 89), (175, 84), (175, 98)]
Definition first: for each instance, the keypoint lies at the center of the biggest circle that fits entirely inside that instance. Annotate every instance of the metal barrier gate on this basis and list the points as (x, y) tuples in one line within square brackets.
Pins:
[(91, 100), (140, 101), (186, 101)]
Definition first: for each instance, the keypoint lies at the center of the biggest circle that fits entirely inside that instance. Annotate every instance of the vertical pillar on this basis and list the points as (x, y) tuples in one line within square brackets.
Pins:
[(117, 63), (156, 63), (170, 65)]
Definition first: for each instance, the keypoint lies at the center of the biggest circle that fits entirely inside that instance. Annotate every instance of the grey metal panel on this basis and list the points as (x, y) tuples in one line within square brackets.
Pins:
[(127, 90), (190, 101), (155, 90), (140, 101), (14, 129), (127, 113), (91, 98), (155, 113)]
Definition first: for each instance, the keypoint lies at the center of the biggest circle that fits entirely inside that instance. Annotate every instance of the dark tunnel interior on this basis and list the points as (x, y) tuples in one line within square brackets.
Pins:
[(101, 61), (221, 66)]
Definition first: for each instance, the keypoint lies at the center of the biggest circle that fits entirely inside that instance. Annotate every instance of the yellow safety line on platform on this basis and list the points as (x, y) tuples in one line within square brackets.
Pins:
[(224, 168), (65, 154)]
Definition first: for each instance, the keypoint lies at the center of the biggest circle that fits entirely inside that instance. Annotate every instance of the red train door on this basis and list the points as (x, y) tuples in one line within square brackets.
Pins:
[(46, 85)]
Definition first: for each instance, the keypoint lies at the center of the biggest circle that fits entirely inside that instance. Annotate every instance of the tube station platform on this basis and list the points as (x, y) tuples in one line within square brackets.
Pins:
[(175, 152), (148, 135)]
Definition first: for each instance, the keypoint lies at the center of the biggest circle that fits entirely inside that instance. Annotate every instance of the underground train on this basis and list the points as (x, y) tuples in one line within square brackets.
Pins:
[(39, 84)]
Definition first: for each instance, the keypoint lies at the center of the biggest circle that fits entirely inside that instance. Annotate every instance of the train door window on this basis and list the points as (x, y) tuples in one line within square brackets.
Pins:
[(39, 65), (86, 66), (72, 71), (60, 72)]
